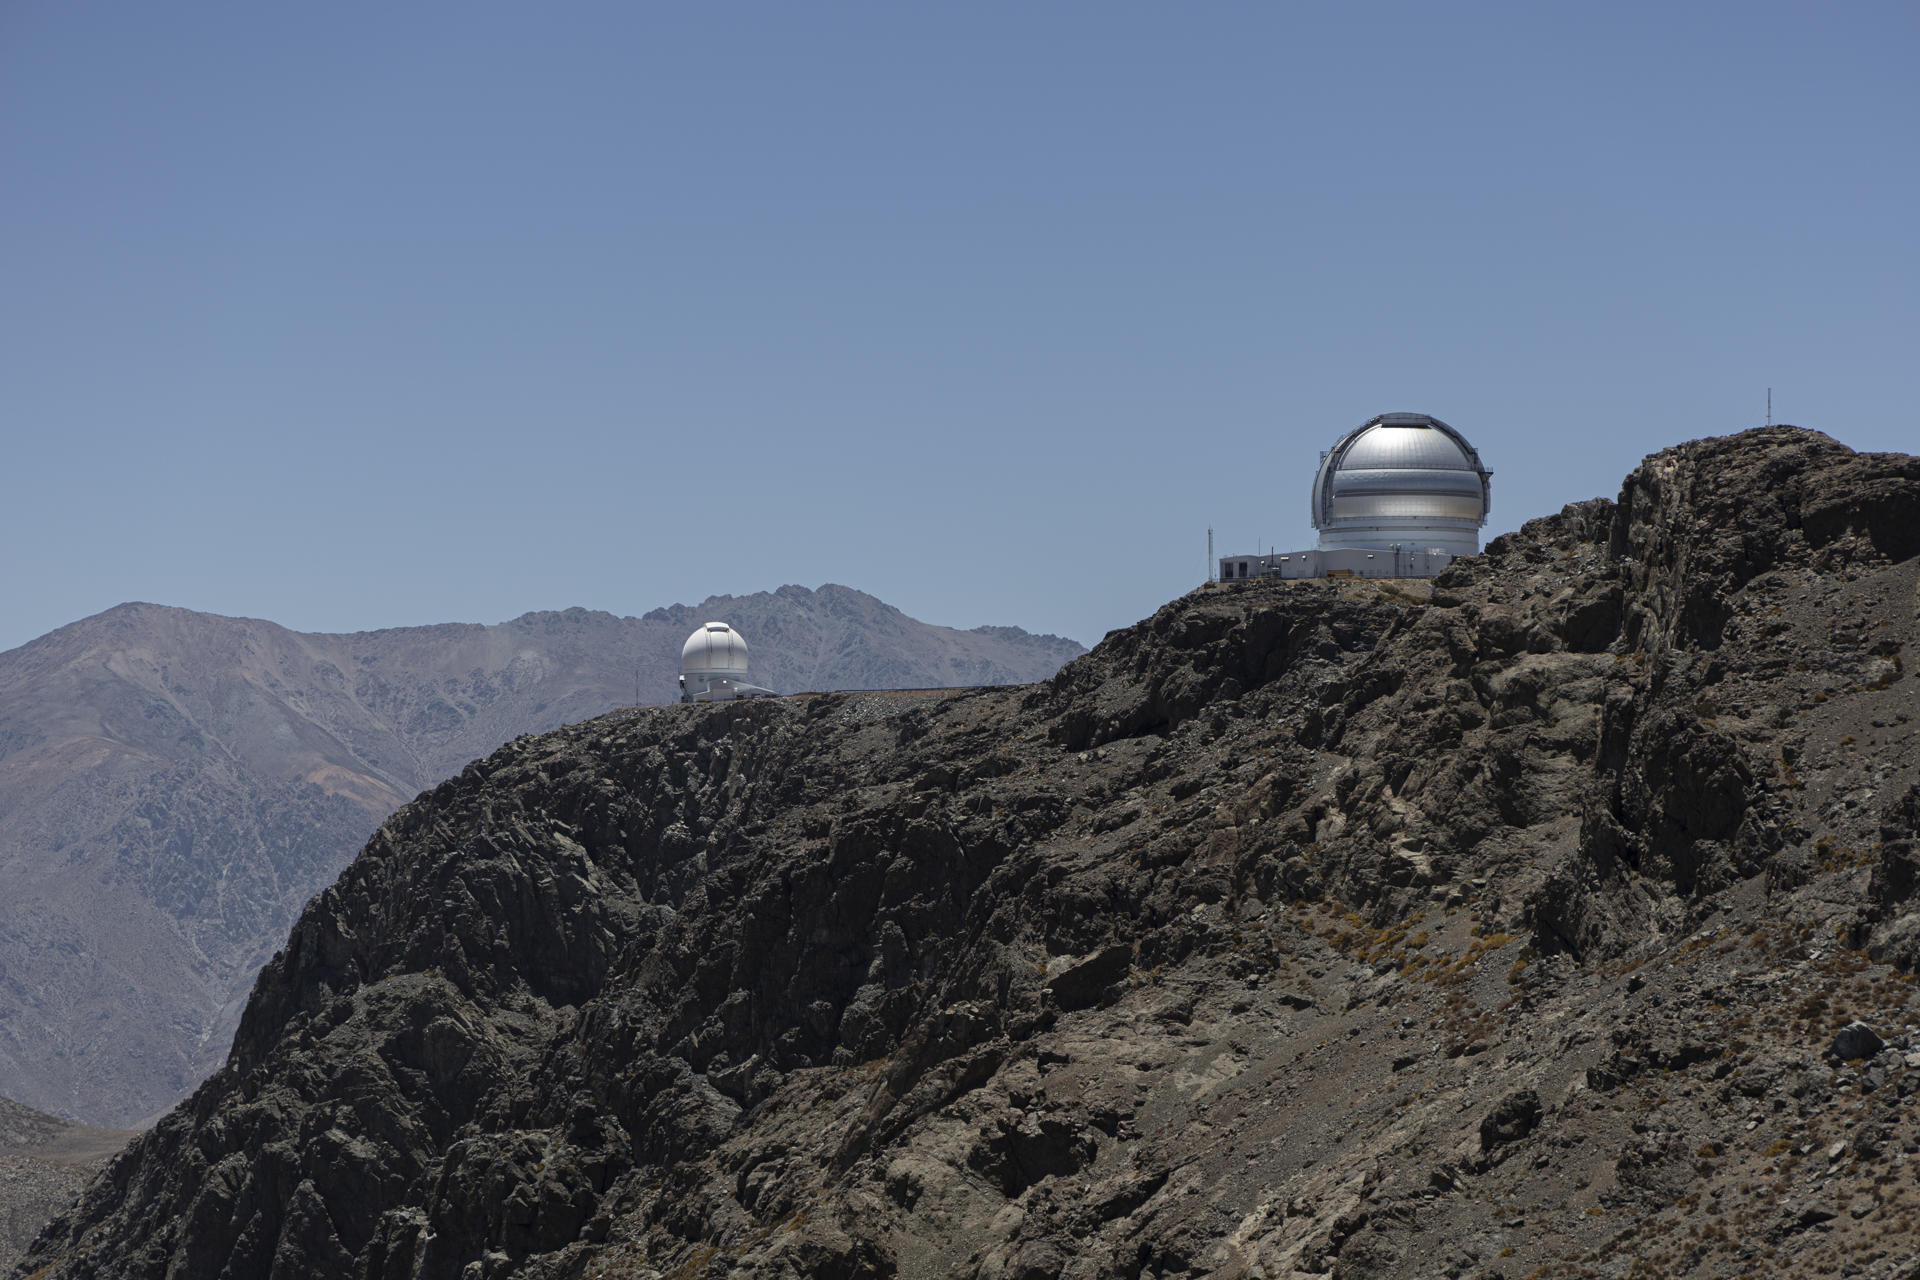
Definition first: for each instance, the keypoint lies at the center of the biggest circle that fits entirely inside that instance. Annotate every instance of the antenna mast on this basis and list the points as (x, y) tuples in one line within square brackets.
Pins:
[(1769, 406), (1209, 553)]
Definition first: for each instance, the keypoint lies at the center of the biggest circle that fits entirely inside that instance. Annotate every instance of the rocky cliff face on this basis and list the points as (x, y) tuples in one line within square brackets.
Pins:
[(1514, 925), (174, 786)]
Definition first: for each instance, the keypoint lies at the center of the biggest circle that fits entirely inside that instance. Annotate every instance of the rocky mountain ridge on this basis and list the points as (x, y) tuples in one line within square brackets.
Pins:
[(175, 785), (1558, 918)]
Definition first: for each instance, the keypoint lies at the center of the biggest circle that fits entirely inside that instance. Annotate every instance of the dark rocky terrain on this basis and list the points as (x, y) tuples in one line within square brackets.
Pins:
[(1514, 925), (44, 1161), (174, 786)]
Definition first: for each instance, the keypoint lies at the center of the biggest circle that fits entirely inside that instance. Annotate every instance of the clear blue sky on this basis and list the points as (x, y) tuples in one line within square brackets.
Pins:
[(358, 315)]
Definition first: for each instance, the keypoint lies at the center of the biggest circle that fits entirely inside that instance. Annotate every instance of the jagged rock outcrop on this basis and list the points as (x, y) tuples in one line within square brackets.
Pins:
[(175, 785), (1496, 926)]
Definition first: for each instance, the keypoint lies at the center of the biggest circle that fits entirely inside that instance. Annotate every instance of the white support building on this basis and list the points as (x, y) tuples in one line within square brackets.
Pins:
[(713, 666), (1388, 562), (1397, 497)]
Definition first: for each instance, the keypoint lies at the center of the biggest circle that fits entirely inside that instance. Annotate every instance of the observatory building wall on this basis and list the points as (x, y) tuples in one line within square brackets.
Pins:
[(1388, 562)]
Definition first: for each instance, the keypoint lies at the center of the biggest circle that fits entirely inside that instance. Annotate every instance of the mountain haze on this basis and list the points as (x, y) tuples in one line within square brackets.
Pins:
[(174, 785)]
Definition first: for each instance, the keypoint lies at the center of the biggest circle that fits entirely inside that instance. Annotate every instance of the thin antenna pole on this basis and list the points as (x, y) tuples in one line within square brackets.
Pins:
[(1769, 406), (1209, 553)]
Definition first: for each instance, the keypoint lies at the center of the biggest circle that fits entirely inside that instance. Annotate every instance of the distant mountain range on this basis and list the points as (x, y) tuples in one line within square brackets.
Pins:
[(174, 786)]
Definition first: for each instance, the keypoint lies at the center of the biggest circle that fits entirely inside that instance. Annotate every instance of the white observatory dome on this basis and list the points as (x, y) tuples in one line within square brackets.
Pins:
[(1405, 480), (715, 651)]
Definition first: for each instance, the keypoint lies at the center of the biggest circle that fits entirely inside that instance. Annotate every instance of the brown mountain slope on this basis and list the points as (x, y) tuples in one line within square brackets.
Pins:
[(44, 1161), (174, 785), (1511, 925)]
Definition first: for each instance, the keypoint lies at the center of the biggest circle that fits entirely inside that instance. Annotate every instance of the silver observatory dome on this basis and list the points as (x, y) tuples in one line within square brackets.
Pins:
[(1401, 480), (715, 651), (713, 666)]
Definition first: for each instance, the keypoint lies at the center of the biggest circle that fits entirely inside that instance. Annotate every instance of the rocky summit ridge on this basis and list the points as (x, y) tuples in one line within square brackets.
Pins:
[(1557, 918), (175, 785)]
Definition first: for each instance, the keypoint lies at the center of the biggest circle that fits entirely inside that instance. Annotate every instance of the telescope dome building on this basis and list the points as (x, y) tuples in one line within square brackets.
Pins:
[(713, 666), (1399, 496), (1401, 479)]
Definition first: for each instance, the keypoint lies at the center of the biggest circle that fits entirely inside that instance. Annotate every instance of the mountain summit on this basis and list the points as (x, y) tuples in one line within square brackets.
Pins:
[(175, 785), (1557, 917)]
